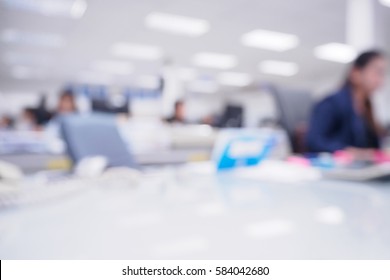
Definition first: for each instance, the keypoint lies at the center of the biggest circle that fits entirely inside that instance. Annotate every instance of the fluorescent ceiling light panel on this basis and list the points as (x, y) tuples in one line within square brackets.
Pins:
[(34, 39), (234, 79), (279, 68), (181, 25), (385, 2), (270, 40), (336, 52), (113, 67), (63, 8), (136, 51), (215, 60), (78, 8)]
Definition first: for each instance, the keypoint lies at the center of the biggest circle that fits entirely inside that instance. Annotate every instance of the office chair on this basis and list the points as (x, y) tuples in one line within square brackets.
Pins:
[(294, 107), (95, 135)]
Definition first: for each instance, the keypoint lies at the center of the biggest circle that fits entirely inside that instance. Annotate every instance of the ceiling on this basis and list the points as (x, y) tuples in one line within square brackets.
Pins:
[(90, 37)]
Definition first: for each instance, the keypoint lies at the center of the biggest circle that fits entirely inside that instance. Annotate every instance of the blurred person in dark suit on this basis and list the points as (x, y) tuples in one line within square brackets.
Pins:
[(66, 103), (345, 120)]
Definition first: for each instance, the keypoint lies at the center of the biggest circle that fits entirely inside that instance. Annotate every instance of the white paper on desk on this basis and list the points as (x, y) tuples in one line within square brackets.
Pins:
[(278, 171)]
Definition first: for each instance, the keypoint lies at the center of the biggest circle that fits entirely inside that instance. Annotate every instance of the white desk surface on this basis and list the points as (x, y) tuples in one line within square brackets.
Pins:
[(30, 162), (184, 215)]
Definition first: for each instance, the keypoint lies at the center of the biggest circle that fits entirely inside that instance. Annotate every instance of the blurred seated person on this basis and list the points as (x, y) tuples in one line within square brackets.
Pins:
[(28, 120), (6, 123), (66, 103), (345, 120), (179, 113)]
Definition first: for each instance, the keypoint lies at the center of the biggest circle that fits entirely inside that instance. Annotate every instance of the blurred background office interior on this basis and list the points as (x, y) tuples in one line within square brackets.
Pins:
[(115, 115)]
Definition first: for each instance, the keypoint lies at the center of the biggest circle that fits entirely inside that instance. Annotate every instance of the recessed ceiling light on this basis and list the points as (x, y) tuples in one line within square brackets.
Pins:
[(215, 60), (113, 67), (136, 51), (234, 79), (65, 8), (203, 86), (270, 40), (385, 2), (336, 52), (78, 8), (192, 27), (280, 68), (35, 39)]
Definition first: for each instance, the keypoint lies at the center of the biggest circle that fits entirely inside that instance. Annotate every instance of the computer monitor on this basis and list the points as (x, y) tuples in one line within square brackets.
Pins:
[(95, 135), (232, 116), (104, 106)]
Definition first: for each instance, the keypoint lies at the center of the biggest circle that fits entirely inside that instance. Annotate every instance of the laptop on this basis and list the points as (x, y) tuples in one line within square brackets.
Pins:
[(95, 135)]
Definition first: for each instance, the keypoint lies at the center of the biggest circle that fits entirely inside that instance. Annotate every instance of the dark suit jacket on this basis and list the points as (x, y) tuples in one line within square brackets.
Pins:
[(335, 125)]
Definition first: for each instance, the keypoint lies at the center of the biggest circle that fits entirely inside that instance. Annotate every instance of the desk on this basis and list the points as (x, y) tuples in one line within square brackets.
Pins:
[(33, 151), (184, 144), (184, 215), (34, 162)]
